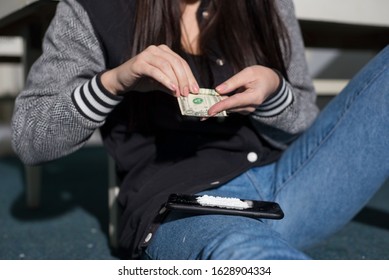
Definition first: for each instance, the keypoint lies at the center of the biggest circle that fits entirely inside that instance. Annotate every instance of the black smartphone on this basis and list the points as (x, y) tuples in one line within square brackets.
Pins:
[(205, 204)]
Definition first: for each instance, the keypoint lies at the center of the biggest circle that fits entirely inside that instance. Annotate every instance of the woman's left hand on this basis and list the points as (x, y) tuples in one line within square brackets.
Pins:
[(253, 85)]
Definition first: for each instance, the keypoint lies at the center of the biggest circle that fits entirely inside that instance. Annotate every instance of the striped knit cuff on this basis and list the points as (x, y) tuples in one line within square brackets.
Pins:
[(93, 101), (277, 103)]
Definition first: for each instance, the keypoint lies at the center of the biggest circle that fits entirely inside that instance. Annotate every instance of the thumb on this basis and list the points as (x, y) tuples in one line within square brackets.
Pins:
[(235, 82)]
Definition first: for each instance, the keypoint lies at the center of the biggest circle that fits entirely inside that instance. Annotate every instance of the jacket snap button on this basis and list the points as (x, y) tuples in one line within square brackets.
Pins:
[(148, 237), (219, 62), (163, 210), (252, 157)]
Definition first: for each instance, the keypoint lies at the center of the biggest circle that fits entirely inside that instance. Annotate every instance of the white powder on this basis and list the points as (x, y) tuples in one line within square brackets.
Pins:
[(224, 202)]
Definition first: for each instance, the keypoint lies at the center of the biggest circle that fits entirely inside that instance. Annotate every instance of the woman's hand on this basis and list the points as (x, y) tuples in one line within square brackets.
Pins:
[(156, 68), (253, 86)]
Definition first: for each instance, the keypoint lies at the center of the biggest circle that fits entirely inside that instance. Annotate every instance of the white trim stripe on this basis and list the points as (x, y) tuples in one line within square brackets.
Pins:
[(84, 108), (96, 105), (277, 110), (101, 94), (280, 93), (281, 99)]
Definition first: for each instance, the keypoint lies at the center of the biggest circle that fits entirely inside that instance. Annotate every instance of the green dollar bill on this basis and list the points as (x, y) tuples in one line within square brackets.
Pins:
[(197, 105)]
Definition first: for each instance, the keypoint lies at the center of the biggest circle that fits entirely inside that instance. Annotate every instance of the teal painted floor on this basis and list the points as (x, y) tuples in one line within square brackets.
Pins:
[(72, 220)]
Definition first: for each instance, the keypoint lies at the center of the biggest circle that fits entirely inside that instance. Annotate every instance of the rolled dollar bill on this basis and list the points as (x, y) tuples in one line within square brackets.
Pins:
[(197, 105), (208, 91)]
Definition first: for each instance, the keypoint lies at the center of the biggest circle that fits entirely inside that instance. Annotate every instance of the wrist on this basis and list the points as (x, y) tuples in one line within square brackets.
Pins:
[(110, 82), (276, 83), (276, 102)]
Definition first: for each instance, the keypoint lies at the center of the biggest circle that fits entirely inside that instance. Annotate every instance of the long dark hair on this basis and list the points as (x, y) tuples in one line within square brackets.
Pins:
[(249, 31)]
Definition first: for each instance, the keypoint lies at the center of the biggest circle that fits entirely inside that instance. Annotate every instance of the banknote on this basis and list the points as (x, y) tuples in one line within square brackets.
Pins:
[(208, 91), (197, 105)]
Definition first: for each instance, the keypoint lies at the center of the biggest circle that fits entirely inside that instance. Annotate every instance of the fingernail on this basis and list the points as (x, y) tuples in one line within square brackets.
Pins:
[(195, 88), (173, 87), (221, 88)]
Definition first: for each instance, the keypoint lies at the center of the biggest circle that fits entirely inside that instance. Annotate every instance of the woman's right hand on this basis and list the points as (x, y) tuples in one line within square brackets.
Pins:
[(155, 68)]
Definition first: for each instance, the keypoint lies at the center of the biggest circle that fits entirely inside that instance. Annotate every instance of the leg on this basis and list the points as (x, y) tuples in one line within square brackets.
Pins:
[(220, 236), (319, 182), (333, 170), (33, 184)]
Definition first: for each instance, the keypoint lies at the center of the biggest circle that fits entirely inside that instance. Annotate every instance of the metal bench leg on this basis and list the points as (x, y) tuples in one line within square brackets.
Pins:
[(113, 206), (33, 184)]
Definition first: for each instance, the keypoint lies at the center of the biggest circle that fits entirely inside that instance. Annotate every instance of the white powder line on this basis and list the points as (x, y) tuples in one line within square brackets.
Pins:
[(224, 202)]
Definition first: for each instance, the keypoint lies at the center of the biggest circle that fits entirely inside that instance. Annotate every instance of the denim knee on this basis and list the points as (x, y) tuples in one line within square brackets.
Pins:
[(249, 245)]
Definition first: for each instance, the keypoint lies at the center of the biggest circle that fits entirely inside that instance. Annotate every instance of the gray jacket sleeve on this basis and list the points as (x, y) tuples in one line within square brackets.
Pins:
[(54, 114), (293, 108), (63, 102)]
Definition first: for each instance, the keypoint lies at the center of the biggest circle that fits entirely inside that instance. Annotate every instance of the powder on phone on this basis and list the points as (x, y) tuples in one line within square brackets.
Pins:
[(224, 202)]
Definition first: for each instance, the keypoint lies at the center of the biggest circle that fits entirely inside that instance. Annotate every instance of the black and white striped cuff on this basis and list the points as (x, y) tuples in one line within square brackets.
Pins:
[(277, 103), (93, 101)]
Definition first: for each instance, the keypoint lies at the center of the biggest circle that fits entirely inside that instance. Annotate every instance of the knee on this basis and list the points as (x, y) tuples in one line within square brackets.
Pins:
[(238, 245)]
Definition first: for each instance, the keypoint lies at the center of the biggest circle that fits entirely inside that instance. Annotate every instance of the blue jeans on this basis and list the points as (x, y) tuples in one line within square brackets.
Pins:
[(321, 181)]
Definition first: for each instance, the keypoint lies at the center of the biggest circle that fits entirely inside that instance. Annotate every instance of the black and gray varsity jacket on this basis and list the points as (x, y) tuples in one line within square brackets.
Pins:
[(64, 102)]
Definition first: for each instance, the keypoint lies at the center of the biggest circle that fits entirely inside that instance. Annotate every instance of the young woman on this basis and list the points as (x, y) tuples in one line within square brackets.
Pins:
[(119, 66)]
